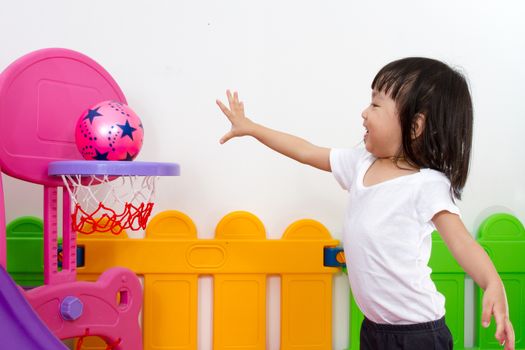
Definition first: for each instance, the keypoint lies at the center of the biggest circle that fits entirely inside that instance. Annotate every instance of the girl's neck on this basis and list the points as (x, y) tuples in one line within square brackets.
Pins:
[(388, 168), (399, 162)]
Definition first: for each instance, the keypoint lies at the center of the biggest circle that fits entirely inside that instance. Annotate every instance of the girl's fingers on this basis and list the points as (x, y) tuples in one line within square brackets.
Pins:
[(223, 108), (230, 98), (233, 99), (226, 137), (234, 113), (485, 314), (510, 337), (236, 107), (500, 327)]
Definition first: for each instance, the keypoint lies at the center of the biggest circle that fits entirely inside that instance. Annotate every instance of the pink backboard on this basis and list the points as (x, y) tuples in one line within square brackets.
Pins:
[(42, 94)]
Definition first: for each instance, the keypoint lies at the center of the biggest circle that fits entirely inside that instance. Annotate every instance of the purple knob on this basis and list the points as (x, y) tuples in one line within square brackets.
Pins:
[(71, 308)]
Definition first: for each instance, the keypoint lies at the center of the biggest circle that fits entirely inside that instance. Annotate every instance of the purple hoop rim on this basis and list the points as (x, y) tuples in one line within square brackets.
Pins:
[(116, 168)]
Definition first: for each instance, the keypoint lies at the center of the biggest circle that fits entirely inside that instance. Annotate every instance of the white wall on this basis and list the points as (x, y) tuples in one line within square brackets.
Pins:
[(300, 66)]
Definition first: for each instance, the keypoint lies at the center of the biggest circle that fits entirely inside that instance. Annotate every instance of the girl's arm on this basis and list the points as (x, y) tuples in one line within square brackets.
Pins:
[(475, 261), (286, 144)]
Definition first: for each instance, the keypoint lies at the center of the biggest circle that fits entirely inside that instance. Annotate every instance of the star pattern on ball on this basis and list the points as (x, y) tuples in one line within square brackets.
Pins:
[(129, 157), (92, 114), (101, 156), (127, 130)]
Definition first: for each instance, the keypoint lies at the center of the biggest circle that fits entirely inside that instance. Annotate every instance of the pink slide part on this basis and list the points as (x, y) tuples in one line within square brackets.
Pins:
[(21, 327), (109, 308), (2, 226)]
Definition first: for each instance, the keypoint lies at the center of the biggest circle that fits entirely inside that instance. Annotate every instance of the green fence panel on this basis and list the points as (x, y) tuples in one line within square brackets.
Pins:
[(25, 251), (356, 318), (449, 278), (503, 237)]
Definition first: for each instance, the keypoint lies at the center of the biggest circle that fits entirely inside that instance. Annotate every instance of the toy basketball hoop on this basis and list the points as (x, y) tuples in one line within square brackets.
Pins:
[(111, 196)]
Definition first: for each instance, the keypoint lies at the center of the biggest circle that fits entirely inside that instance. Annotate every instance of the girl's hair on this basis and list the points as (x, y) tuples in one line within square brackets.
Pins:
[(429, 89)]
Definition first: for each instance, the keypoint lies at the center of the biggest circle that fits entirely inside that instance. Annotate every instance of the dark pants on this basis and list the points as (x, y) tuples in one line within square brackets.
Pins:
[(433, 335)]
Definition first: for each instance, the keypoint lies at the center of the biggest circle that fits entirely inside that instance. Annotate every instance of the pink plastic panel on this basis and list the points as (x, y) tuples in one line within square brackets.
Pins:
[(110, 310), (42, 94), (2, 227)]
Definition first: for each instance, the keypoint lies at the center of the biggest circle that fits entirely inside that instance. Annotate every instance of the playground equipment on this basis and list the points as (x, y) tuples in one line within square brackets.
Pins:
[(41, 96)]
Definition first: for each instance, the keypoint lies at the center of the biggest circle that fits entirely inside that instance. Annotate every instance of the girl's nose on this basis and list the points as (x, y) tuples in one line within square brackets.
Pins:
[(363, 114)]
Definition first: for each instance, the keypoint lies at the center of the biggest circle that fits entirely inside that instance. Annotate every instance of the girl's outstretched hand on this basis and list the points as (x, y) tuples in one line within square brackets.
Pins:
[(495, 303), (240, 124), (287, 144)]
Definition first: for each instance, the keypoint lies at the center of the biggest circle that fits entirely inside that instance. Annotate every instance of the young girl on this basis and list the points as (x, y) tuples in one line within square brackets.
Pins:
[(402, 187)]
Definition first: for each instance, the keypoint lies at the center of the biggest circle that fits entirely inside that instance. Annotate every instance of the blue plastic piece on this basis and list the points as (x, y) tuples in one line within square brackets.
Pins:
[(334, 256), (80, 256), (71, 308)]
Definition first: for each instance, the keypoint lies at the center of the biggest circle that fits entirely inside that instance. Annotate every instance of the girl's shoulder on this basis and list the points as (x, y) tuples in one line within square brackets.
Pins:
[(351, 156), (345, 164), (432, 176), (433, 183), (357, 152)]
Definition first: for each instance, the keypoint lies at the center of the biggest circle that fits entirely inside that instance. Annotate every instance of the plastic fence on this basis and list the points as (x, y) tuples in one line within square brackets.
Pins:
[(171, 258)]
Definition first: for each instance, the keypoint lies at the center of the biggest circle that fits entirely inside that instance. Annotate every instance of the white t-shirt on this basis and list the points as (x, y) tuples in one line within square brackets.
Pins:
[(387, 239)]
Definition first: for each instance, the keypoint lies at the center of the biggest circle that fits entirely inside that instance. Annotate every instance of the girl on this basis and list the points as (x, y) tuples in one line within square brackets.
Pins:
[(402, 186)]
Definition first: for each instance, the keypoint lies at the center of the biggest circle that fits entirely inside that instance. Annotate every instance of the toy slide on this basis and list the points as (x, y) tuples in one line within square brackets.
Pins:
[(21, 327)]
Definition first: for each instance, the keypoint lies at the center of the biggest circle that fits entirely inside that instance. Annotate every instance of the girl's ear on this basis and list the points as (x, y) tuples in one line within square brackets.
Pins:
[(418, 126)]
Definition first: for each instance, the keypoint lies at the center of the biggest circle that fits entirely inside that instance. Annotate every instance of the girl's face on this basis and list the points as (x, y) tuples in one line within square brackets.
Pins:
[(383, 130)]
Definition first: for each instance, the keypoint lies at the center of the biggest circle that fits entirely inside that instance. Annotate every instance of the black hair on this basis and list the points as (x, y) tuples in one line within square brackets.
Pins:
[(424, 87)]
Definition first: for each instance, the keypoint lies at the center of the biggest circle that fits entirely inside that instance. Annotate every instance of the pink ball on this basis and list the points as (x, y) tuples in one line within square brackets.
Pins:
[(109, 130)]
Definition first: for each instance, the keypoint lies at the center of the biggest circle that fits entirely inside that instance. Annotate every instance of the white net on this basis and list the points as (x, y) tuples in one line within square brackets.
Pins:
[(103, 203)]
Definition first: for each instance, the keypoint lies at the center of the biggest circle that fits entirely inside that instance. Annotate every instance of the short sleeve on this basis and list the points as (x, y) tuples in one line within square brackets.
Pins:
[(434, 197), (343, 163)]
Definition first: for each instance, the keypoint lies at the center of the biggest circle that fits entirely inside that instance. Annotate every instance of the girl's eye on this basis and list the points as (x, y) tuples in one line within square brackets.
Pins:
[(374, 105)]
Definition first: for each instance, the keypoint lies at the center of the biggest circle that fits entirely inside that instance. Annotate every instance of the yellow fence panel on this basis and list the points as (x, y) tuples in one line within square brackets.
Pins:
[(239, 303), (306, 299), (170, 300), (240, 258)]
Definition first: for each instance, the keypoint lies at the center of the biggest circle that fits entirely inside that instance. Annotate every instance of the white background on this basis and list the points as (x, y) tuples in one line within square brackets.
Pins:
[(303, 67)]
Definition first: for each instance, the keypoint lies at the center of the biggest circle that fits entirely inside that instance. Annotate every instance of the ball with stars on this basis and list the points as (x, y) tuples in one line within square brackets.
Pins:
[(109, 130)]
